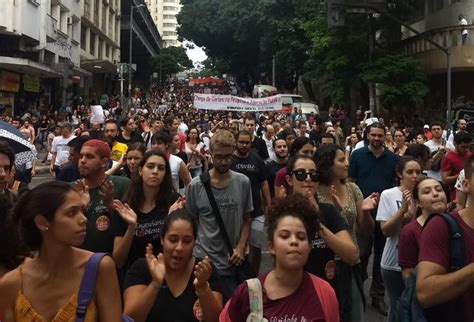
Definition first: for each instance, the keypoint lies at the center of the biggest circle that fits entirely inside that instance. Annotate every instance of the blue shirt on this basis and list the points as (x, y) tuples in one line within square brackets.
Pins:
[(373, 174)]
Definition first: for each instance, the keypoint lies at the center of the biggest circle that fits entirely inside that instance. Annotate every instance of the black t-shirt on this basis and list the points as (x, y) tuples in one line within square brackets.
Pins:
[(147, 231), (102, 225), (315, 136), (134, 138), (43, 125), (272, 168), (167, 307), (254, 168), (261, 147), (321, 260)]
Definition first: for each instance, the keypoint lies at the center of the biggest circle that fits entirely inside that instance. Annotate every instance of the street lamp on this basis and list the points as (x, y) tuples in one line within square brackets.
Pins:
[(132, 6)]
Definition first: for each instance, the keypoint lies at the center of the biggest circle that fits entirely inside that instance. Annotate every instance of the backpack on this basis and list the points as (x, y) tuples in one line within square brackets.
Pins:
[(409, 309), (436, 165), (87, 289)]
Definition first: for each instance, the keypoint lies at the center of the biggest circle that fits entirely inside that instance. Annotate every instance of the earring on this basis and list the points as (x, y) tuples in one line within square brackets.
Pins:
[(46, 228)]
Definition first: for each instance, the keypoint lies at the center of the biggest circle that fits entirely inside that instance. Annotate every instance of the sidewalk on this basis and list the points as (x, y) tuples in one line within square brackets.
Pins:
[(40, 167)]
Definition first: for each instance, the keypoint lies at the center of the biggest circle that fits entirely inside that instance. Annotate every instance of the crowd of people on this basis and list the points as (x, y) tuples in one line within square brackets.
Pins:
[(185, 201)]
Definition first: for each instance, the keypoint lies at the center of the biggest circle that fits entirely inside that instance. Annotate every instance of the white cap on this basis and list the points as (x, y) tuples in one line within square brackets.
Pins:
[(426, 126)]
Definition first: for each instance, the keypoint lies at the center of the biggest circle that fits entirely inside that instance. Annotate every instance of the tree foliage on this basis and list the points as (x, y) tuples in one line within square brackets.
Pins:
[(401, 79), (171, 60), (242, 37)]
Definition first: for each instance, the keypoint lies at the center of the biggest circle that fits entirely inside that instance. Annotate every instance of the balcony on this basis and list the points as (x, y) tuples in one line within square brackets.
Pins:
[(51, 27), (433, 59)]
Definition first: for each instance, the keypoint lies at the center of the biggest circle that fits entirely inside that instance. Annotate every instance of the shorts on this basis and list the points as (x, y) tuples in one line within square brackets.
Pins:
[(256, 232)]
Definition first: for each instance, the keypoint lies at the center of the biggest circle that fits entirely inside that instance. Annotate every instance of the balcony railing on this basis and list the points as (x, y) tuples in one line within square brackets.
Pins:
[(445, 37)]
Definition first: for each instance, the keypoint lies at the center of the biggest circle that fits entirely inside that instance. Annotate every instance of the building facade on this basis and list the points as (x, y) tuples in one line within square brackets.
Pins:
[(100, 45), (438, 20), (164, 14), (40, 54)]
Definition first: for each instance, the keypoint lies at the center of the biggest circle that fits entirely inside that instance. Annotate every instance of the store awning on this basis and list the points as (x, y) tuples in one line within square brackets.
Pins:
[(99, 66), (26, 66)]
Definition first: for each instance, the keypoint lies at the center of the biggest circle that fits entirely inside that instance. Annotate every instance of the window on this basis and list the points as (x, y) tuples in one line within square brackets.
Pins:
[(83, 37), (92, 44), (169, 8), (171, 25)]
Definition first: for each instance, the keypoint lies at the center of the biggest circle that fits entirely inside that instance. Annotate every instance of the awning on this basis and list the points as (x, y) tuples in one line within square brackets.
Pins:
[(99, 66), (26, 66)]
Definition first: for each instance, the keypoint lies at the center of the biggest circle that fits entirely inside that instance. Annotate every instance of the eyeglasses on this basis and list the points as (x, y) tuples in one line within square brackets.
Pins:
[(220, 158), (301, 175)]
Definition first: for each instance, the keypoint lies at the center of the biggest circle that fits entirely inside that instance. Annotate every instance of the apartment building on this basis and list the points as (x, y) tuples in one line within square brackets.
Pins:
[(39, 54), (100, 45), (164, 14), (438, 20)]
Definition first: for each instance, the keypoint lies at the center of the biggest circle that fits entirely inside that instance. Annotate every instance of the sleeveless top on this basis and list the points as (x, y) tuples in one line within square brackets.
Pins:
[(24, 311)]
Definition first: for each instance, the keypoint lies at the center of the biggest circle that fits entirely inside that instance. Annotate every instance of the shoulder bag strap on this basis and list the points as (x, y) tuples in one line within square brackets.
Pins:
[(255, 299), (206, 182), (88, 283), (457, 247)]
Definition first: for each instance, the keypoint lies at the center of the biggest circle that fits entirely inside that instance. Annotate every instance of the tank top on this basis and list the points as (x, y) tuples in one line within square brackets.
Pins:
[(24, 311)]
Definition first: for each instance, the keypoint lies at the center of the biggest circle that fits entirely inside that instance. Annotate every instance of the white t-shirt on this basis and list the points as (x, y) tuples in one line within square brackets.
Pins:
[(182, 128), (463, 22), (390, 202), (59, 146), (359, 145), (175, 165), (433, 148), (271, 152)]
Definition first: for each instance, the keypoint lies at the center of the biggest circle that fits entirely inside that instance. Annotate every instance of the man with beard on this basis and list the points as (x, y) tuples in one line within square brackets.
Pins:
[(439, 147), (111, 131), (281, 158), (462, 127), (7, 162), (247, 162), (233, 196), (100, 190), (372, 168)]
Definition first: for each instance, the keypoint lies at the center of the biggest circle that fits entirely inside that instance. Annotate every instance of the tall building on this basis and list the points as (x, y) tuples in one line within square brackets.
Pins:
[(164, 14), (39, 54), (438, 20), (100, 45)]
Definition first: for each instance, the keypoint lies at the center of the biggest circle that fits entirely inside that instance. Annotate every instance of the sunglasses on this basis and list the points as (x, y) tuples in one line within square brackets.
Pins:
[(301, 175)]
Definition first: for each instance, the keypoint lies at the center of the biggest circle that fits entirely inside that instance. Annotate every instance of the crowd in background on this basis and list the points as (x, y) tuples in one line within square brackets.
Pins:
[(322, 195)]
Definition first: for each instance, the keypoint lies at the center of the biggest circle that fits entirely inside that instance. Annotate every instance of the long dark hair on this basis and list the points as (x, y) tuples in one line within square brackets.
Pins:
[(324, 160), (137, 146), (135, 196)]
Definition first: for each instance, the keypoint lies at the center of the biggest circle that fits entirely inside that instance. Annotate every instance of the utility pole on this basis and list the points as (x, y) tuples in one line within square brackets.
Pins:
[(273, 71), (132, 6)]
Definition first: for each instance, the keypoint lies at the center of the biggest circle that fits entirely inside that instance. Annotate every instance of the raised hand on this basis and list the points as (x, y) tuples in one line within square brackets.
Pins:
[(107, 192), (127, 213), (202, 273), (178, 204), (309, 194), (238, 256), (83, 191), (370, 203), (156, 265)]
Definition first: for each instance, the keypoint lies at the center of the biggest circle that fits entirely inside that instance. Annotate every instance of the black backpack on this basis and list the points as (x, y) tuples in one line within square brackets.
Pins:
[(409, 309)]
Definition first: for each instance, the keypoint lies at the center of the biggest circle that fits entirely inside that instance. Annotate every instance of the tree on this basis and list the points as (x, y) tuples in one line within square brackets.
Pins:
[(401, 80), (171, 60)]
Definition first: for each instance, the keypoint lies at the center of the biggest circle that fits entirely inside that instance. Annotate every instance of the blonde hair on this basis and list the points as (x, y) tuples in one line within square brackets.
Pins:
[(224, 138)]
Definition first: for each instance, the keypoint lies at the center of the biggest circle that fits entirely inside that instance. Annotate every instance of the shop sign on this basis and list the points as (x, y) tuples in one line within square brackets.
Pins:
[(9, 82), (31, 83)]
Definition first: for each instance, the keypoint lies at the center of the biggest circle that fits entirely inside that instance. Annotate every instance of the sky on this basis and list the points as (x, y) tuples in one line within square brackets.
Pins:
[(197, 54)]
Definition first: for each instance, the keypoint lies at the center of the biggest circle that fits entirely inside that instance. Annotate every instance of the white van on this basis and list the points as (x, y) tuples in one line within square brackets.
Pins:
[(290, 101), (260, 91)]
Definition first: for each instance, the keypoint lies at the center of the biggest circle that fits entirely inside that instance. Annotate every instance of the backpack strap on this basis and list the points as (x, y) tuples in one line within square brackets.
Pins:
[(255, 299), (327, 298), (457, 247), (88, 283)]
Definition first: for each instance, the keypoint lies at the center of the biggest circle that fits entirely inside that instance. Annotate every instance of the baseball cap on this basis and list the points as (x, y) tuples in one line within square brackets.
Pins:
[(426, 126)]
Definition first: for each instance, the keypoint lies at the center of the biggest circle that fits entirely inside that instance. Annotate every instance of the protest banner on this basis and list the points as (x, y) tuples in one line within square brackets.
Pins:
[(234, 103)]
